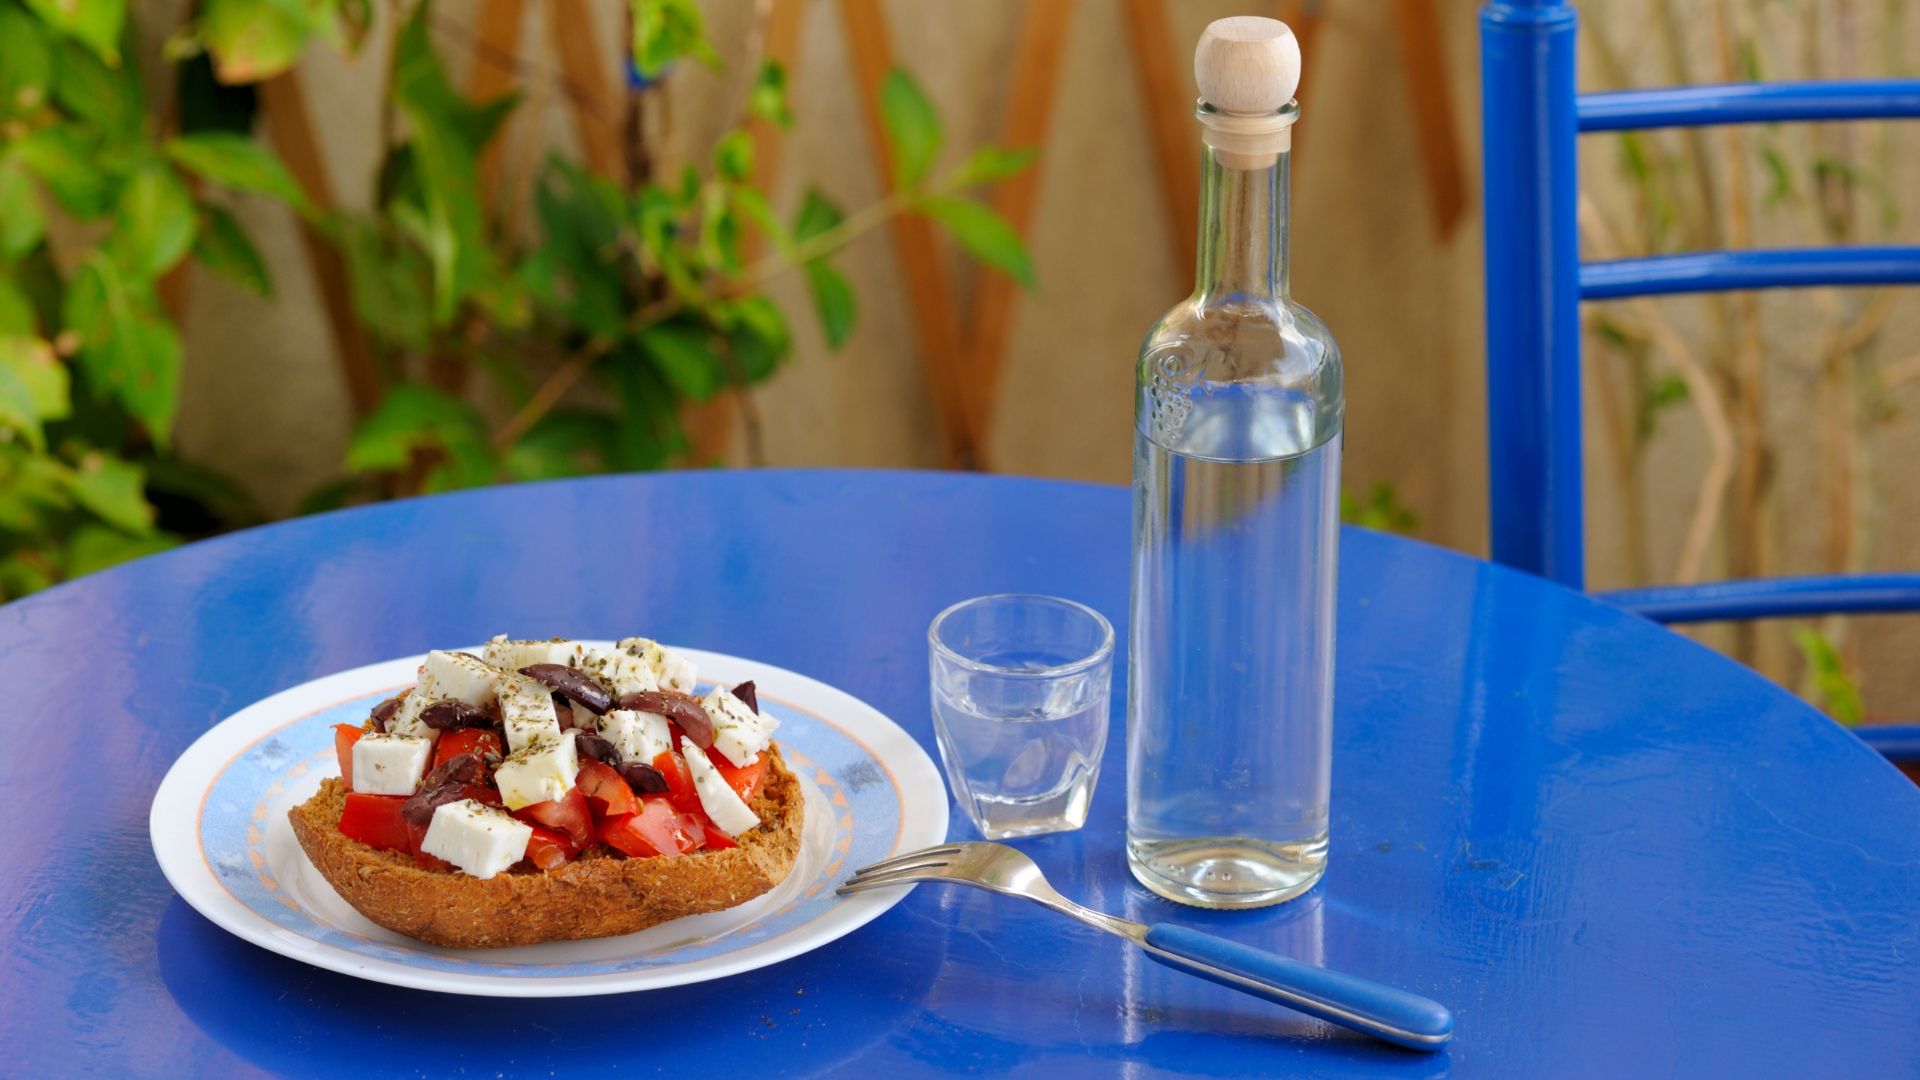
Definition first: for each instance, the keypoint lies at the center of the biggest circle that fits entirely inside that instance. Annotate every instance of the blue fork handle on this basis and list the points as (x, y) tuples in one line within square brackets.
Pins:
[(1396, 1016)]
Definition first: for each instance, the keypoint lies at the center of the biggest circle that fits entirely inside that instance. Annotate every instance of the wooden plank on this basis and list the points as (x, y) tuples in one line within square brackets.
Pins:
[(1422, 54), (1304, 18), (1036, 78), (710, 424), (917, 246), (493, 74), (293, 136), (1176, 141), (596, 113)]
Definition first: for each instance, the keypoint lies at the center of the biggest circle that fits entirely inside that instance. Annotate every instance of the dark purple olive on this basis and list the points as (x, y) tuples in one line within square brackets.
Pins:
[(644, 779), (745, 692), (596, 747), (580, 687), (458, 769), (563, 709), (384, 711), (452, 715), (679, 708)]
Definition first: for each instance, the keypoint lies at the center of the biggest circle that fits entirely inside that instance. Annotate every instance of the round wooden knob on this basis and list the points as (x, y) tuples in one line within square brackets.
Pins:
[(1247, 64)]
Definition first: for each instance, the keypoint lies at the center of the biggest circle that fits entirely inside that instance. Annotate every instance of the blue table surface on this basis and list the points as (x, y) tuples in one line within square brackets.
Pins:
[(1610, 851)]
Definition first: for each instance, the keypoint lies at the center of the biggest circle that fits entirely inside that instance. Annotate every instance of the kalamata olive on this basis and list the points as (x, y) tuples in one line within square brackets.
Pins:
[(643, 778), (745, 692), (419, 809), (452, 715), (679, 708), (596, 747), (384, 711), (580, 687), (459, 769)]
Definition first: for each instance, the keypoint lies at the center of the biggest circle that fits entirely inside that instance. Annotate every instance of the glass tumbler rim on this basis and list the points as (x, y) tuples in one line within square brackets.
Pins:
[(1101, 653)]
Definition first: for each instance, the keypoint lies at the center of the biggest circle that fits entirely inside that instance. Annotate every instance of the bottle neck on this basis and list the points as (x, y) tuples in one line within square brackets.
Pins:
[(1243, 231)]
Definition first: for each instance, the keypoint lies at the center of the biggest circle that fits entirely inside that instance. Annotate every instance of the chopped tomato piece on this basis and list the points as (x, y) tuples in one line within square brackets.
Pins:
[(476, 741), (607, 794), (568, 814), (745, 782), (686, 797), (549, 849), (344, 736), (375, 820), (658, 829), (716, 839)]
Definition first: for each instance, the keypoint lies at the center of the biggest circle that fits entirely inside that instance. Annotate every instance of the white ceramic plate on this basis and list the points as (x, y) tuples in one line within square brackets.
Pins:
[(221, 835)]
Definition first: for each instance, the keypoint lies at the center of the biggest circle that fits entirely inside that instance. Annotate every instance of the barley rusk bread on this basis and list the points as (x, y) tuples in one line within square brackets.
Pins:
[(598, 894)]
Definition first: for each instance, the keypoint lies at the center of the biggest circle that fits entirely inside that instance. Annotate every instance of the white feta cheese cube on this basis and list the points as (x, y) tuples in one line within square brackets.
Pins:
[(672, 670), (461, 677), (538, 772), (406, 719), (739, 733), (478, 839), (526, 711), (514, 655), (621, 672), (638, 736), (389, 764), (721, 802)]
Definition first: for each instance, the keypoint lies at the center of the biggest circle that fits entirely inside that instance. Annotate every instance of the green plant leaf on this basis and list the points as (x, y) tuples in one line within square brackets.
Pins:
[(62, 156), (207, 104), (1382, 510), (392, 285), (94, 547), (253, 40), (128, 349), (564, 443), (222, 246), (757, 334), (833, 302), (683, 355), (984, 234), (237, 162), (23, 221), (992, 164), (650, 433), (913, 128), (768, 99), (1831, 687), (665, 31), (108, 98), (17, 317), (94, 23), (817, 214), (26, 62), (17, 412), (22, 576), (31, 362), (733, 155), (415, 420), (155, 223), (114, 490)]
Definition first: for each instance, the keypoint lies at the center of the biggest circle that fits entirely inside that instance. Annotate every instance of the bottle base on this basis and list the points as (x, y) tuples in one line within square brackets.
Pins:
[(1222, 872)]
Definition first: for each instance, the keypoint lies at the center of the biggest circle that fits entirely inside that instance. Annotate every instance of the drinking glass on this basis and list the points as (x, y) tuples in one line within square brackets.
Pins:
[(1021, 688)]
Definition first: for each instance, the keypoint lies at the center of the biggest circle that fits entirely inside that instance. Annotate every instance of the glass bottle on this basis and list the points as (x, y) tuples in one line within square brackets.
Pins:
[(1236, 481)]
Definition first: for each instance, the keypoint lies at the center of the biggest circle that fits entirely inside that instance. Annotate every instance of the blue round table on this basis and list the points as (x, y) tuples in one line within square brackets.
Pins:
[(1610, 851)]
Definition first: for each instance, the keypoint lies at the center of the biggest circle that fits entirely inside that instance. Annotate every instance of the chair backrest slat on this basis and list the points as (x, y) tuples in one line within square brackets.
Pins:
[(1717, 271), (1749, 103)]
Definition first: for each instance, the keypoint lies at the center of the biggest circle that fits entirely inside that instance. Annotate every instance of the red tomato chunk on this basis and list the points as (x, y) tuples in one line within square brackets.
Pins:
[(375, 820), (344, 736), (658, 829), (568, 814), (548, 849), (476, 741), (745, 782), (607, 794)]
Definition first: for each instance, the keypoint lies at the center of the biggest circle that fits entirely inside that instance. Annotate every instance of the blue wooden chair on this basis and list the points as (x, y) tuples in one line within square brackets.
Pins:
[(1536, 281)]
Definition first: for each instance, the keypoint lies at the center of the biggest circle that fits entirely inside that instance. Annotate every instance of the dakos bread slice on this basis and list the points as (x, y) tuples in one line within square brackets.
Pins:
[(598, 894)]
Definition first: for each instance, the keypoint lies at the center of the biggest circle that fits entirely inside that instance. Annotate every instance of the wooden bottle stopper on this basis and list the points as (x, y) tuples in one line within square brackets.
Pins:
[(1248, 68)]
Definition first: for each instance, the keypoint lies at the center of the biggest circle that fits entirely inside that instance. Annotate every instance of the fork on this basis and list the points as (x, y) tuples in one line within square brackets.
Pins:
[(1383, 1012)]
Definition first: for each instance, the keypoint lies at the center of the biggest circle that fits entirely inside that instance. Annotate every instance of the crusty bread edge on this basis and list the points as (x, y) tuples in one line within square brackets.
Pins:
[(598, 894)]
